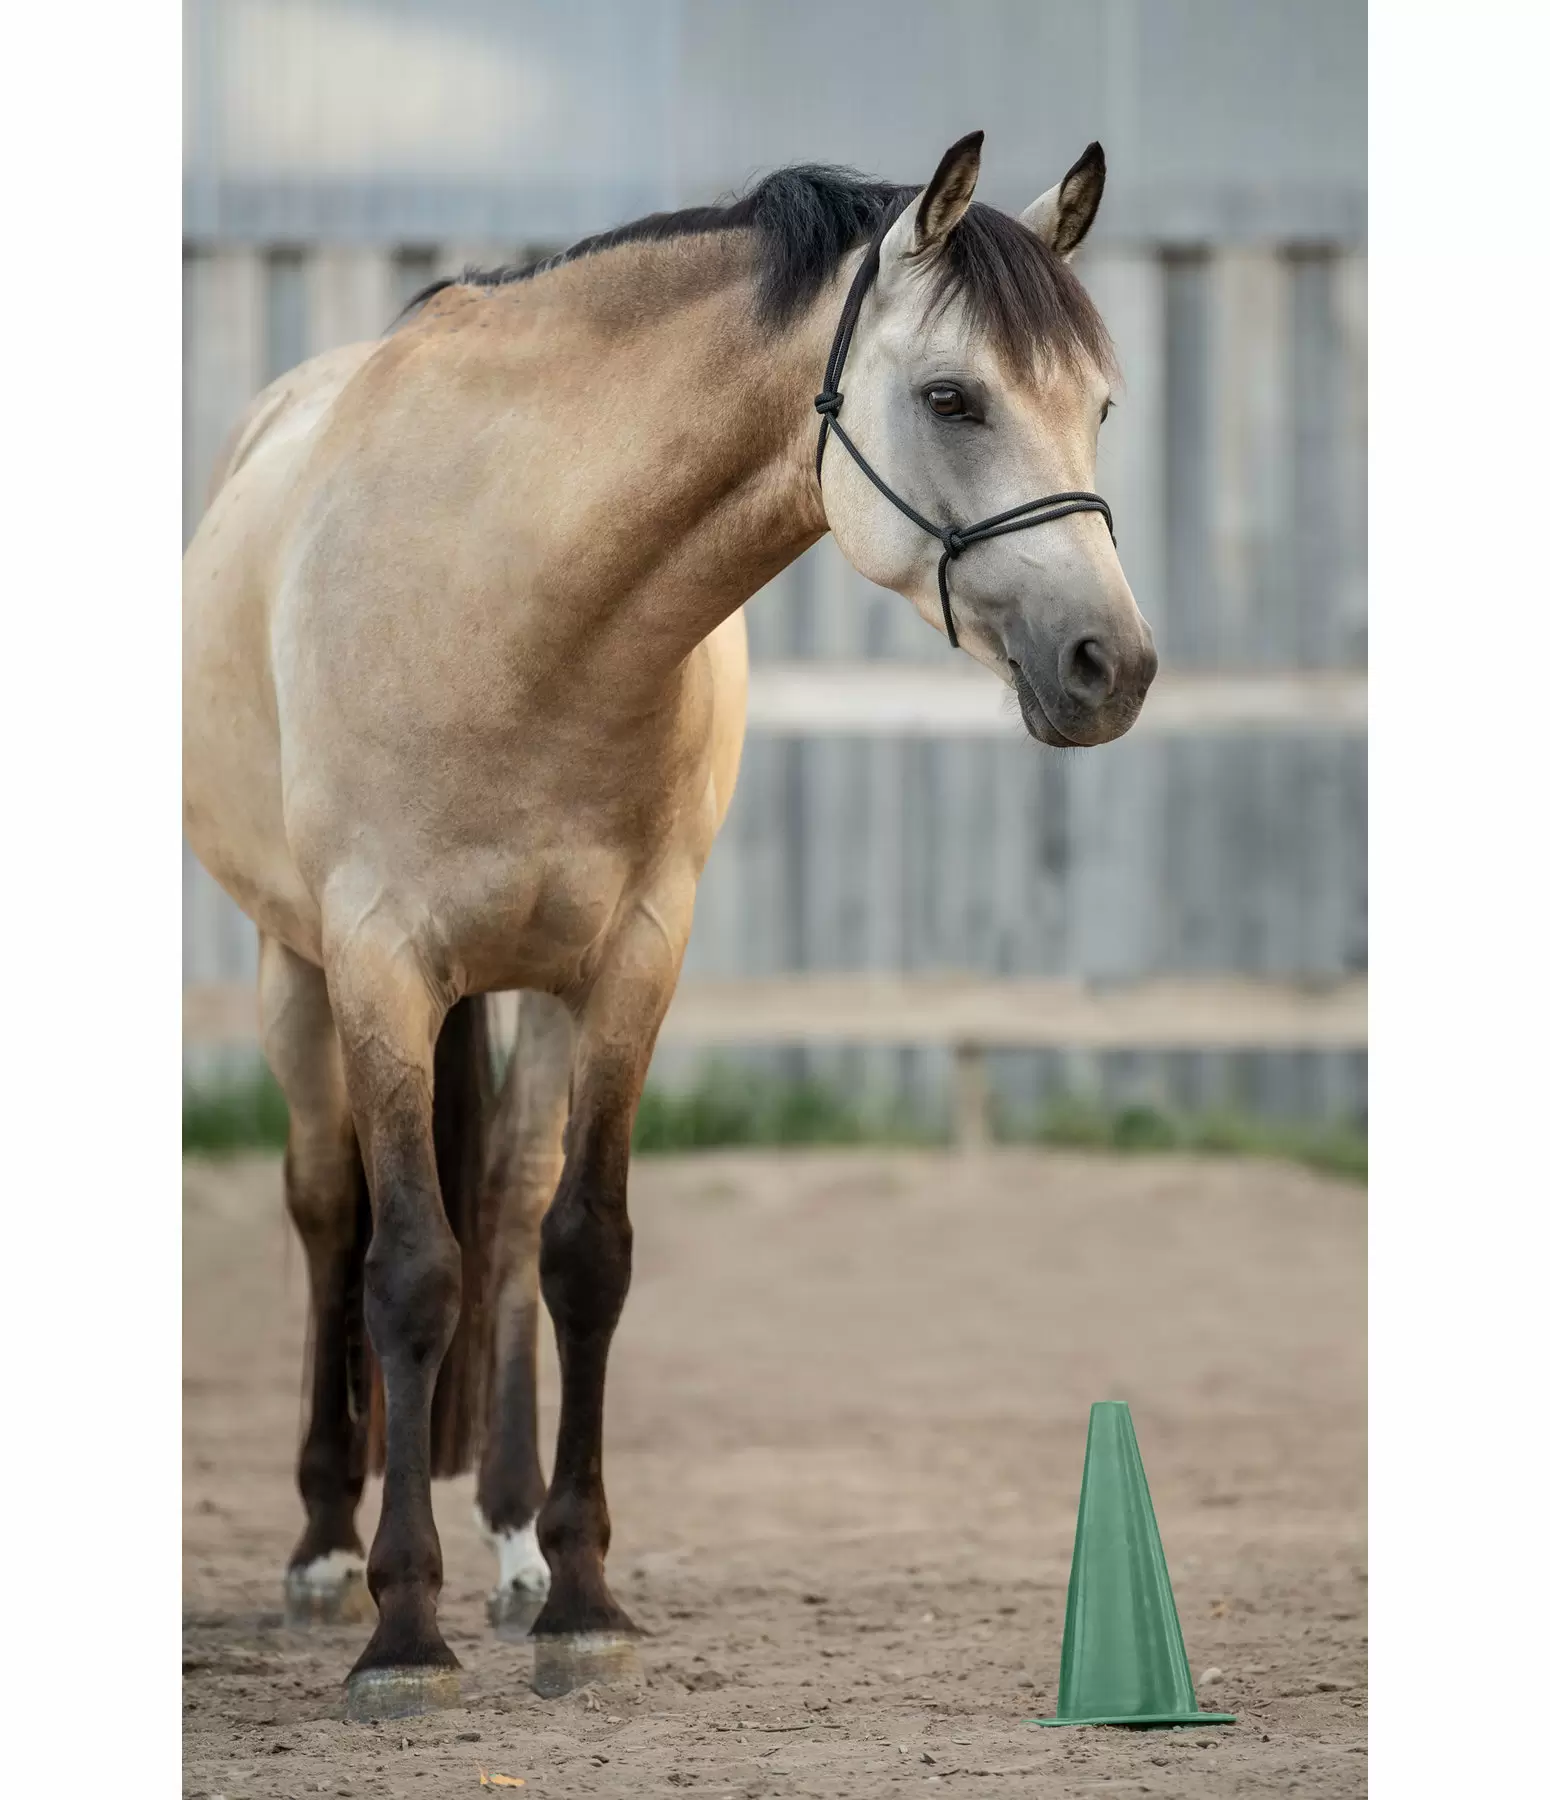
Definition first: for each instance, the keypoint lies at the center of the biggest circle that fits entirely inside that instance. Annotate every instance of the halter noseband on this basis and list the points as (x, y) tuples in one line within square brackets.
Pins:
[(954, 539)]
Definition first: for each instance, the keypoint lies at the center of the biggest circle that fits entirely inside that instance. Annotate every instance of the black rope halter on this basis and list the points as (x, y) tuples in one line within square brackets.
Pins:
[(954, 539)]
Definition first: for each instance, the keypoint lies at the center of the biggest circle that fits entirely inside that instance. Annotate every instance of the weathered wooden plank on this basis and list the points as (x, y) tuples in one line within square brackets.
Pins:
[(1349, 319), (1250, 410), (1129, 289), (353, 295), (1115, 817), (287, 304), (1187, 636), (223, 349), (1313, 457), (834, 604), (882, 877), (963, 700), (947, 1010), (413, 267), (755, 827)]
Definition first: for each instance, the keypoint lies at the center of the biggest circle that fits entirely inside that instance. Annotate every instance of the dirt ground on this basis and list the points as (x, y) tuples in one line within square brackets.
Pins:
[(847, 1411)]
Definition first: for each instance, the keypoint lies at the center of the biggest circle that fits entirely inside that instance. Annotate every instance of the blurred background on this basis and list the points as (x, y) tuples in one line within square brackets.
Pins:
[(1170, 928)]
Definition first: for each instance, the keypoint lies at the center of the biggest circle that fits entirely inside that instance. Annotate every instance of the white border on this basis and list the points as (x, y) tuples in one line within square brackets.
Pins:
[(1460, 406), (89, 118), (90, 112)]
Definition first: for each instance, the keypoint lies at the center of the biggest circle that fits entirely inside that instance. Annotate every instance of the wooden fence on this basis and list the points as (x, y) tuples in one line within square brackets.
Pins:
[(968, 1018), (891, 820)]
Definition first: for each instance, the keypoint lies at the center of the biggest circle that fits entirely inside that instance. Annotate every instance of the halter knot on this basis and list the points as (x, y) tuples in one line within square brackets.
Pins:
[(953, 542), (829, 402)]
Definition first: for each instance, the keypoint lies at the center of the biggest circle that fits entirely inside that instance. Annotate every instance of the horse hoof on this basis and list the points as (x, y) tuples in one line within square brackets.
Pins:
[(587, 1659), (400, 1693), (330, 1591), (511, 1612)]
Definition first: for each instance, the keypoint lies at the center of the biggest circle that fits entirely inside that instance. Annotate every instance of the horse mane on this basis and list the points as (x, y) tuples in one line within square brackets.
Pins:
[(806, 219)]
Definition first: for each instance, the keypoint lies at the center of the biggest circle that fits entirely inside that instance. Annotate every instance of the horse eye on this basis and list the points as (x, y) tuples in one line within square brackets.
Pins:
[(945, 402)]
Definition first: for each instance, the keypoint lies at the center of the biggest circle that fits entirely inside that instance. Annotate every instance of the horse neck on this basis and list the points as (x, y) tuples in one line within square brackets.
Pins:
[(717, 494)]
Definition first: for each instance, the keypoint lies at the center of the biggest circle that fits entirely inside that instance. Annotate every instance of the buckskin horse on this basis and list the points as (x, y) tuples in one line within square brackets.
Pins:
[(464, 675)]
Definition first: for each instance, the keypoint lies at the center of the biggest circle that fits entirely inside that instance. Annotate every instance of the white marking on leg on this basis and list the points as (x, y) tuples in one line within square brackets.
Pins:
[(519, 1561), (328, 1574)]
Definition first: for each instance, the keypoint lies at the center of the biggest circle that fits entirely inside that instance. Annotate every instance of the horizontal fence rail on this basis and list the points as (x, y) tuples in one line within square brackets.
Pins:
[(1204, 1013), (887, 699), (964, 1016)]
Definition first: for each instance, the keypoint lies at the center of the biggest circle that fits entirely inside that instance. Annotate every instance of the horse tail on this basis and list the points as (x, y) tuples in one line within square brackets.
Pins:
[(461, 1105)]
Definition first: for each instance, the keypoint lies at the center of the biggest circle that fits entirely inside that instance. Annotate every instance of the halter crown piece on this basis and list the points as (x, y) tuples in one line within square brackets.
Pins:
[(954, 539)]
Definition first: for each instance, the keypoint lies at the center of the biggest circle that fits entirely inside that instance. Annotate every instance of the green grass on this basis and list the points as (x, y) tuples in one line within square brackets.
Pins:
[(1336, 1149), (729, 1108), (245, 1115)]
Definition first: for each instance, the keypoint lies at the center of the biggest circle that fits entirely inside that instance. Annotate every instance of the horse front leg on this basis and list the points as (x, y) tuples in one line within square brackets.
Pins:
[(388, 1018), (325, 1194), (526, 1154), (583, 1634)]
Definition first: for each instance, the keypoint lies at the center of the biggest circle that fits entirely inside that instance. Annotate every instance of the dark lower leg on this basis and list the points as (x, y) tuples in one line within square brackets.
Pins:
[(585, 1268), (325, 1194), (331, 1468), (413, 1276)]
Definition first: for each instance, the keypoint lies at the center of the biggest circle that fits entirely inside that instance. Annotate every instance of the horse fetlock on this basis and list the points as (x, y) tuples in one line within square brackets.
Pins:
[(519, 1559), (405, 1570), (329, 1589), (573, 1524), (330, 1529), (521, 1580), (580, 1602), (407, 1635)]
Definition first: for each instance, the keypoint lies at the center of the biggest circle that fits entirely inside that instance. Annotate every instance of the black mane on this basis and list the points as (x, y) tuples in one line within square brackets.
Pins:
[(807, 218)]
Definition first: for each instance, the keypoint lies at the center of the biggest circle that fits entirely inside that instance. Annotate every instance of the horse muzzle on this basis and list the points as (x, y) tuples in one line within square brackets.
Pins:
[(1089, 691)]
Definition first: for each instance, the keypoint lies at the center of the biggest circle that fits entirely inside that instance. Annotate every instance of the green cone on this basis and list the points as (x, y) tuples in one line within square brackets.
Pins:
[(1123, 1660)]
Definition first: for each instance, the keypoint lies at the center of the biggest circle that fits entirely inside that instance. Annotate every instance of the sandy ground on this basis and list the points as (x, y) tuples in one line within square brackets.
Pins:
[(846, 1423)]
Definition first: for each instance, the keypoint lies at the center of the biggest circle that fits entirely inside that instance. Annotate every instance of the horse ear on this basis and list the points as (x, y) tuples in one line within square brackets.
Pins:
[(928, 221), (1063, 216)]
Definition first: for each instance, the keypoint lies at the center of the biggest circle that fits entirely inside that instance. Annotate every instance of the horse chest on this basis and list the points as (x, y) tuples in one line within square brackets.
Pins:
[(537, 916)]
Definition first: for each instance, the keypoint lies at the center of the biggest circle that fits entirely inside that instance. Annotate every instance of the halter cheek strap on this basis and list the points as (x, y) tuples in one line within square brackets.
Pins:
[(954, 539)]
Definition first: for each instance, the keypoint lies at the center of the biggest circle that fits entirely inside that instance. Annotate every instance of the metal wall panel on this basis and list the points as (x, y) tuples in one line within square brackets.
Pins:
[(406, 120)]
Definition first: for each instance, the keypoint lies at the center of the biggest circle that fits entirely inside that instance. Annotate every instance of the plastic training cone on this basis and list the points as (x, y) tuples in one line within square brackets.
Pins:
[(1122, 1662)]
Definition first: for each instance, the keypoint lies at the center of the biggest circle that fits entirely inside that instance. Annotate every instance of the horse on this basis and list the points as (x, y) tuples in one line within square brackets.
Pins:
[(461, 716), (498, 1174)]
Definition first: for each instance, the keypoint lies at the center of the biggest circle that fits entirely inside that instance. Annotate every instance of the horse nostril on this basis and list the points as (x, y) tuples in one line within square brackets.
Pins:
[(1087, 672)]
